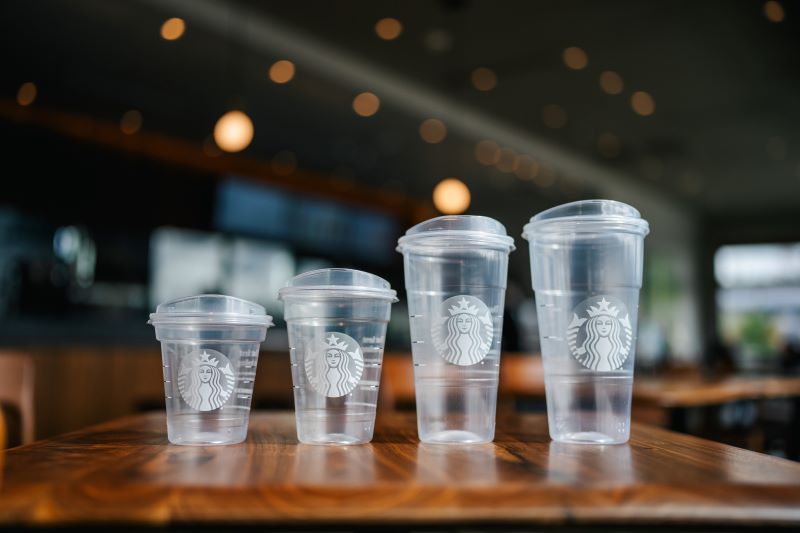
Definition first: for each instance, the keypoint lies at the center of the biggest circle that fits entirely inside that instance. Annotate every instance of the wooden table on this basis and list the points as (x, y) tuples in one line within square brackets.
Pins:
[(125, 472)]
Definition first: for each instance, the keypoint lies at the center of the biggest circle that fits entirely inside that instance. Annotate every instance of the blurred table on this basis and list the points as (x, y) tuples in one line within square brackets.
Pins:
[(125, 472)]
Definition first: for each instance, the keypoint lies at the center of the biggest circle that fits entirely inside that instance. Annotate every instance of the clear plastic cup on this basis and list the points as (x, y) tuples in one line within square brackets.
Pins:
[(456, 272), (337, 321), (209, 349), (586, 263)]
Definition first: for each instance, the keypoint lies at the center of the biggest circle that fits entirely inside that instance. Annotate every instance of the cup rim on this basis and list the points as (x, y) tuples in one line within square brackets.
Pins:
[(211, 318), (419, 237), (381, 290), (624, 219)]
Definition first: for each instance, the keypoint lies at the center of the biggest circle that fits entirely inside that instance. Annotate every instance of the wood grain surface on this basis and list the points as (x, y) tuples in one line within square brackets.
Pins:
[(126, 472)]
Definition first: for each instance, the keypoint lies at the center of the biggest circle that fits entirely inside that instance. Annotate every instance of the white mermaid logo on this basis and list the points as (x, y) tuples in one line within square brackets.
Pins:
[(336, 368), (606, 338), (463, 334), (206, 380)]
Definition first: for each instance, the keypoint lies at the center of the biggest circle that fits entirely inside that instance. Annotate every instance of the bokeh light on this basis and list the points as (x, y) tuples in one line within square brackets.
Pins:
[(484, 79), (173, 29), (26, 94), (366, 104), (774, 12), (575, 58), (642, 103), (451, 196), (388, 28), (131, 122), (233, 131), (281, 71), (611, 82), (554, 116), (609, 145), (487, 152), (432, 131)]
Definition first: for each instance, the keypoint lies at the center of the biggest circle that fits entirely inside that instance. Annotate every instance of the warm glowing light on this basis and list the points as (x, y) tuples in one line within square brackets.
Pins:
[(487, 152), (432, 131), (173, 29), (26, 94), (507, 160), (484, 79), (575, 58), (233, 131), (609, 145), (388, 28), (131, 122), (284, 163), (554, 116), (774, 11), (281, 71), (642, 103), (451, 196), (527, 167), (611, 82), (366, 104)]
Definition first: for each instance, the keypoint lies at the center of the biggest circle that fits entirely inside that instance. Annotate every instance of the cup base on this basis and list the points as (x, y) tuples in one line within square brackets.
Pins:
[(587, 437), (454, 436), (334, 439)]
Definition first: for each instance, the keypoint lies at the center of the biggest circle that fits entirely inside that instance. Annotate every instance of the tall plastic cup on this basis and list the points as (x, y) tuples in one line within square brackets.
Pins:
[(586, 262), (337, 321), (209, 350), (456, 272)]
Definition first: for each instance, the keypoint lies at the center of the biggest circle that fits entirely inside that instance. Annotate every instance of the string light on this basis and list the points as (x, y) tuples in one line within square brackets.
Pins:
[(281, 71), (451, 196), (432, 131), (388, 28), (611, 82), (233, 131), (484, 79), (173, 29), (642, 103), (575, 58), (131, 122), (26, 94), (366, 104)]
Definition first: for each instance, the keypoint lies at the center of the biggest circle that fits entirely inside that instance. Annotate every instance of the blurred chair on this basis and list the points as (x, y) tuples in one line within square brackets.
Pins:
[(16, 397)]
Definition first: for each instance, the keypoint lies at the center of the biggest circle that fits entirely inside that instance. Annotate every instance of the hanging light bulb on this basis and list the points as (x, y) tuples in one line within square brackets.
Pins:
[(233, 131)]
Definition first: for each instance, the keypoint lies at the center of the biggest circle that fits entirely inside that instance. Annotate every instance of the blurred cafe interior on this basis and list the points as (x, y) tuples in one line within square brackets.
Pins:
[(155, 149)]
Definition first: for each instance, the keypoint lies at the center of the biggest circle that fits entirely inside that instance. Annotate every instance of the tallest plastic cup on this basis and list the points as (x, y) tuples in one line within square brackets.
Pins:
[(455, 270), (586, 263)]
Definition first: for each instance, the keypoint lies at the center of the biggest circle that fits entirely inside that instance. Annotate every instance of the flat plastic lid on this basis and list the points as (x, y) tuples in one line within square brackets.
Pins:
[(457, 230), (588, 215), (211, 309), (338, 282)]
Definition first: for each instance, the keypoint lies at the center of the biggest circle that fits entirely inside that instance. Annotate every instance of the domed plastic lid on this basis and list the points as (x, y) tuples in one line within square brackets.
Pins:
[(211, 309), (338, 282), (588, 215), (457, 230)]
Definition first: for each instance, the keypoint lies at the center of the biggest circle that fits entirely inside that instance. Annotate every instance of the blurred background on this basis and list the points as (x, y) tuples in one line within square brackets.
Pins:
[(154, 149)]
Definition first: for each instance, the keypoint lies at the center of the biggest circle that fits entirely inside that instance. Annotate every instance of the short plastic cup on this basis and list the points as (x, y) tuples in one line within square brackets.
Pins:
[(586, 263), (209, 350), (456, 273), (336, 319)]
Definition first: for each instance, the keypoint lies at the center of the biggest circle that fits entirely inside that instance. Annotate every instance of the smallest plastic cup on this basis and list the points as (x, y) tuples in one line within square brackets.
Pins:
[(209, 350), (336, 320)]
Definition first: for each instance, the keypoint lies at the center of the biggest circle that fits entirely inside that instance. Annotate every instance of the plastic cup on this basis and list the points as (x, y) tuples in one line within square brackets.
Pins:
[(336, 319), (456, 272), (209, 350), (586, 263)]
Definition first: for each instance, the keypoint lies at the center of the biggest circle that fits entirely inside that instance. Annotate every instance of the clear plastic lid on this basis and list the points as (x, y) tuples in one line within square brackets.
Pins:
[(588, 215), (338, 282), (211, 309), (457, 230)]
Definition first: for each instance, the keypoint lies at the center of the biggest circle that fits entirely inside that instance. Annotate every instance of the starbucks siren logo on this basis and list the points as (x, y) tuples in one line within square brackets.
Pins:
[(206, 380), (463, 333), (335, 367), (602, 340)]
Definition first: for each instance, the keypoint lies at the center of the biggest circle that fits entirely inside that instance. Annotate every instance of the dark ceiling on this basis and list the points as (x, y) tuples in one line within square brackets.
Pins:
[(724, 137)]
